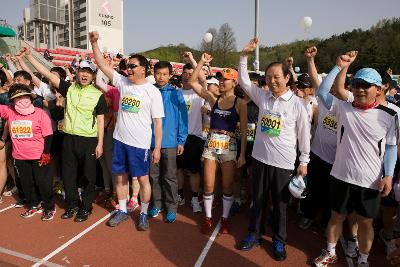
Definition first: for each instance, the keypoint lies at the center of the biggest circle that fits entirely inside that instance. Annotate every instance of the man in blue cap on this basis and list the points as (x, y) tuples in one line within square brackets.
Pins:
[(367, 140)]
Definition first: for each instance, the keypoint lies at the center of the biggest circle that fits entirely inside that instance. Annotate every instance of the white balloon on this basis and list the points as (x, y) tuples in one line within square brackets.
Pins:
[(307, 22), (296, 69), (207, 37)]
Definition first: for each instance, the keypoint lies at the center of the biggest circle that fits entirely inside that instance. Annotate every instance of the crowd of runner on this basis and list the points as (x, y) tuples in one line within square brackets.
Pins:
[(326, 145)]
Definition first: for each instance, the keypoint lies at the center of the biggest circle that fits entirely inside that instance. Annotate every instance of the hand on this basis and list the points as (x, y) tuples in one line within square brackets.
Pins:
[(394, 257), (206, 58), (241, 161), (311, 52), (93, 36), (44, 159), (289, 62), (188, 56), (302, 170), (8, 57), (155, 156), (14, 59), (179, 150), (204, 109), (385, 186), (344, 61), (250, 47), (99, 151)]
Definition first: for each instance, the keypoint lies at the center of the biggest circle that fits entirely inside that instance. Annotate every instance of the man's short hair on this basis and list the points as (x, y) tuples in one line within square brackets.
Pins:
[(187, 66), (142, 61), (163, 65), (24, 75)]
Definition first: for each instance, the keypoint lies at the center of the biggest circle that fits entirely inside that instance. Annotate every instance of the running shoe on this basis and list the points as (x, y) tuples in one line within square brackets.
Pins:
[(19, 204), (196, 205), (30, 212), (305, 223), (324, 259), (82, 215), (181, 200), (132, 204), (153, 212), (363, 264), (235, 208), (225, 226), (170, 217), (279, 250), (251, 240), (11, 192), (143, 224), (207, 226), (48, 214), (389, 243), (119, 217), (69, 213)]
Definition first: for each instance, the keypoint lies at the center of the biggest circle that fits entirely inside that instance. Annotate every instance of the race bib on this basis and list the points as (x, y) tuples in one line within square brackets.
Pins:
[(272, 124), (189, 106), (329, 122), (60, 125), (251, 132), (21, 129), (219, 143), (130, 104)]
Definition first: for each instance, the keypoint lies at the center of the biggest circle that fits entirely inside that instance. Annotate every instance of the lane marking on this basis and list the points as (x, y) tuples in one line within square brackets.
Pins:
[(9, 207), (344, 246), (27, 257), (211, 240), (72, 240)]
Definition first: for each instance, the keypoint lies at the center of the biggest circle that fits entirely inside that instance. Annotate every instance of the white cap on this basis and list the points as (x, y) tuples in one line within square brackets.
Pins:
[(213, 81), (297, 187), (87, 64)]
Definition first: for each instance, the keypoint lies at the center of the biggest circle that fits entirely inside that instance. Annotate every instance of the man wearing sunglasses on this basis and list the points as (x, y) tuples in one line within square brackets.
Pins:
[(362, 172), (141, 104)]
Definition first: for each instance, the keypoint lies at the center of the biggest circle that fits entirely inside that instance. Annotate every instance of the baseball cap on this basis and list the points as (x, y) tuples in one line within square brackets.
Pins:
[(229, 74), (87, 64), (213, 81), (304, 81), (368, 75)]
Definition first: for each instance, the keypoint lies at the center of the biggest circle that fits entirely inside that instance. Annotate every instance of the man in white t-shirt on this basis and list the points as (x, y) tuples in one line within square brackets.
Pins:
[(189, 163), (141, 104), (365, 157)]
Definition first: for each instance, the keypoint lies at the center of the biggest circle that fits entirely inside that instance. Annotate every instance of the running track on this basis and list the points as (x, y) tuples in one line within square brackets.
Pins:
[(31, 242)]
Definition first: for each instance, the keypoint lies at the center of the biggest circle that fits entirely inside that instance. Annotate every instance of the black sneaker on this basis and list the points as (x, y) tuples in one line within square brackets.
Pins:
[(48, 214), (69, 213), (82, 215), (19, 204)]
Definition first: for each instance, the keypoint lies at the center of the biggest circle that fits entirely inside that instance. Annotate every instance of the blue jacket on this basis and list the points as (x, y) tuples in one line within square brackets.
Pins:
[(175, 121)]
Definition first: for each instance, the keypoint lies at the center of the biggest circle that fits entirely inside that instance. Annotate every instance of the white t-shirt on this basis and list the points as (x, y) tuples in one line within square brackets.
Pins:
[(139, 104), (361, 139), (309, 104), (193, 105), (44, 91)]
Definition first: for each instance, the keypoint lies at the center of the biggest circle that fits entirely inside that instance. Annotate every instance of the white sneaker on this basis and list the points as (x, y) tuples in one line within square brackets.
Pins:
[(181, 201), (11, 192), (196, 205), (352, 249)]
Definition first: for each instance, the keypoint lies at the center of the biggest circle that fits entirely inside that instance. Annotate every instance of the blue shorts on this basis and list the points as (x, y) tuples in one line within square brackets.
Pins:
[(130, 159)]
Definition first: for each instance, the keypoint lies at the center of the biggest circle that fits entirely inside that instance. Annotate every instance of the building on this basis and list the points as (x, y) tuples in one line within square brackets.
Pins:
[(52, 23)]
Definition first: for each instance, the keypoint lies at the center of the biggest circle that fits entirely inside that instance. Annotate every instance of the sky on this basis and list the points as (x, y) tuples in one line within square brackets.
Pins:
[(150, 24)]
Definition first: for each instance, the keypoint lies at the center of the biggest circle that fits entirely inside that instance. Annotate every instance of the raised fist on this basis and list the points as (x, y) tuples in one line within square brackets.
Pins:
[(250, 47), (311, 52), (93, 36)]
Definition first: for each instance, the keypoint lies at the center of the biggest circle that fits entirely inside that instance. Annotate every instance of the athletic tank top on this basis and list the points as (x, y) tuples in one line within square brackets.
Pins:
[(224, 119)]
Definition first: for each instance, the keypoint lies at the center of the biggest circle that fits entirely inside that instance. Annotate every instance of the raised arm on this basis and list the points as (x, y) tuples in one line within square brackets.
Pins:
[(342, 62), (188, 56), (10, 63), (54, 79), (36, 81), (100, 82), (6, 72), (289, 62), (69, 74), (98, 56), (197, 75), (243, 76), (312, 69)]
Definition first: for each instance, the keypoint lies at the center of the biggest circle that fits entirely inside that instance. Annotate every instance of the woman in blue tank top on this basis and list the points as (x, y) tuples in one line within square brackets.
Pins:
[(220, 147)]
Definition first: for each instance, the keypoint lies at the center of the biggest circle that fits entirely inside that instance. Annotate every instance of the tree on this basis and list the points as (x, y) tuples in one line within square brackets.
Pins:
[(225, 43), (211, 46)]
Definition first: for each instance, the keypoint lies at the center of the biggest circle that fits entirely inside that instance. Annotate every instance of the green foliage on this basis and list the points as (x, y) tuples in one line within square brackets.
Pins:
[(378, 47)]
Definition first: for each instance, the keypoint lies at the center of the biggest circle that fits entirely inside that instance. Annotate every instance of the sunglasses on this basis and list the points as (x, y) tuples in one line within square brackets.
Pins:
[(131, 66), (361, 84)]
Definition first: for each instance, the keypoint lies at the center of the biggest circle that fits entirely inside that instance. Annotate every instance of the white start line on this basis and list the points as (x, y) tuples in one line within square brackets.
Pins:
[(27, 257), (7, 208), (206, 249), (72, 240)]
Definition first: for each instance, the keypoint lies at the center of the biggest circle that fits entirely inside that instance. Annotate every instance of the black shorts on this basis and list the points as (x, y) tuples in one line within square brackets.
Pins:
[(191, 158), (345, 198)]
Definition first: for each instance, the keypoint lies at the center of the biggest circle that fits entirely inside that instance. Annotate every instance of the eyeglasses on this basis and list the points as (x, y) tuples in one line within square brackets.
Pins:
[(361, 84), (131, 66)]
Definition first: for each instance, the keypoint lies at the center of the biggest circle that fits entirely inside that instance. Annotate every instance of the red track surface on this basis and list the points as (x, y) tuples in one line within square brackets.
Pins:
[(177, 244)]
